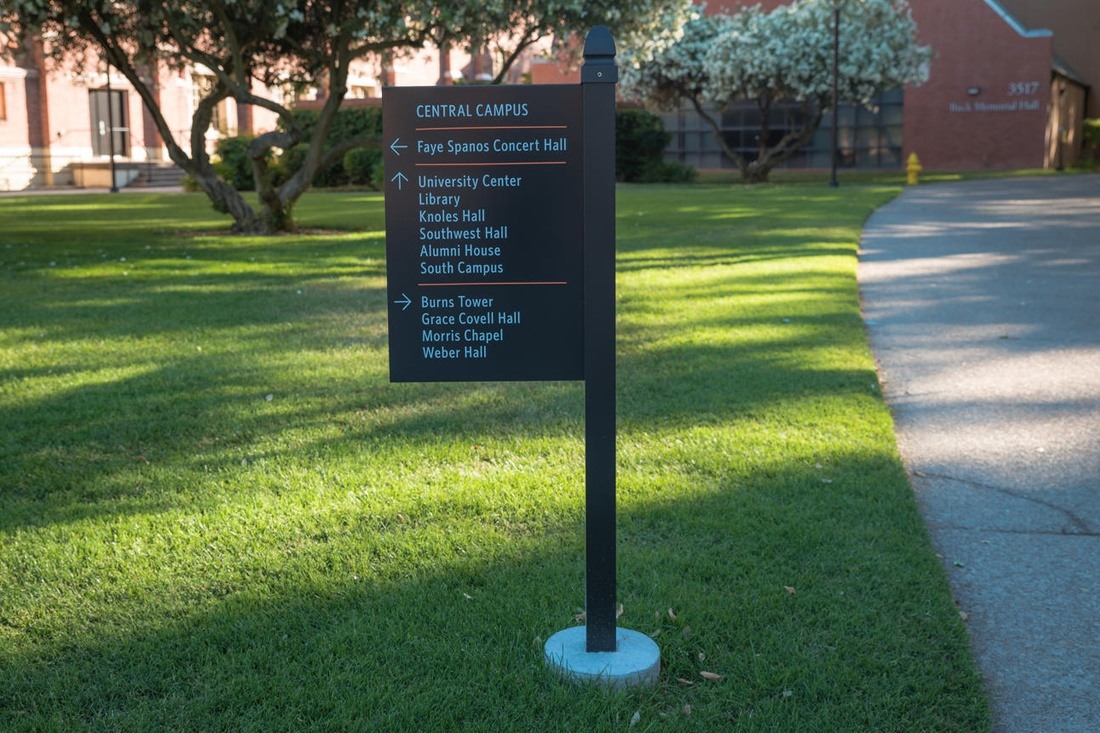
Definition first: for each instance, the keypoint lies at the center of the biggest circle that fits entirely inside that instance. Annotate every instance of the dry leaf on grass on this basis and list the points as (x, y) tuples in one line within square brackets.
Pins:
[(713, 677)]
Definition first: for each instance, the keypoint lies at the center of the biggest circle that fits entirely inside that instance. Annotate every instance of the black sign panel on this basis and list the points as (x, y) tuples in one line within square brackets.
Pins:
[(484, 237)]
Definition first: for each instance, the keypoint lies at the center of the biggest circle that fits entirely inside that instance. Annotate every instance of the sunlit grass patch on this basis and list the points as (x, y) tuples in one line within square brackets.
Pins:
[(216, 512)]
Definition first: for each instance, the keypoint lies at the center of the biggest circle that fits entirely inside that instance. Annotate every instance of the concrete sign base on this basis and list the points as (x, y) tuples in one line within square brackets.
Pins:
[(635, 661)]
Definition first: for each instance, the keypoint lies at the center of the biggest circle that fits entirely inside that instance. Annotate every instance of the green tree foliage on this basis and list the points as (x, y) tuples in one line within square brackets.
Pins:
[(508, 27), (246, 45), (250, 45)]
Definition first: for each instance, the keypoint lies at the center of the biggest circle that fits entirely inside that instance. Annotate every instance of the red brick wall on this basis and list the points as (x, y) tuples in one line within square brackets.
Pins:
[(1001, 127)]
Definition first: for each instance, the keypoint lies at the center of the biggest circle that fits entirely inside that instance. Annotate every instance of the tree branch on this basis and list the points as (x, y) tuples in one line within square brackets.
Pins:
[(716, 130), (337, 152), (525, 41)]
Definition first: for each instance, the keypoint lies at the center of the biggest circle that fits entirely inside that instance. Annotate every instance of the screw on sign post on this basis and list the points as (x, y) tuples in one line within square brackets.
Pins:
[(600, 652)]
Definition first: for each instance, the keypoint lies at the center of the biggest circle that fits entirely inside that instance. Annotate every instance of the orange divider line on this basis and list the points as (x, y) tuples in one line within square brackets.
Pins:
[(464, 285), (495, 127), (467, 165)]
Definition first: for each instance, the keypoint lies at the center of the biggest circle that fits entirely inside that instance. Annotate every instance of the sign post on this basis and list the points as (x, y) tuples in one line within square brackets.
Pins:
[(598, 78), (500, 259)]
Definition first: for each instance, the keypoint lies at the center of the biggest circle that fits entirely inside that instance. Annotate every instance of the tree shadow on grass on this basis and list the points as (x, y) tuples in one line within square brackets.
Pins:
[(805, 580), (131, 443), (147, 425), (819, 604), (178, 290), (294, 387)]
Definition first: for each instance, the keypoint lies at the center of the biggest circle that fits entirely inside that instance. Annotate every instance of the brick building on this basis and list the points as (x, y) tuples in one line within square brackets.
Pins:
[(55, 122), (1009, 85), (59, 126), (1000, 94)]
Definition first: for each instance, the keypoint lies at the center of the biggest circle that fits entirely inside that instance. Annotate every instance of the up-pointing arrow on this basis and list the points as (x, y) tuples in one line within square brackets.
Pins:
[(397, 148), (400, 178)]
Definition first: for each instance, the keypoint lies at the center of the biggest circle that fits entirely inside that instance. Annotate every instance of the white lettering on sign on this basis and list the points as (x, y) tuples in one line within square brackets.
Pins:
[(1023, 88), (484, 233), (485, 109), (1016, 105)]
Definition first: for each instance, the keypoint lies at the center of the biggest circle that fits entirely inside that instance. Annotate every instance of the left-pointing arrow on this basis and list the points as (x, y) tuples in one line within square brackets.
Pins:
[(400, 178), (404, 301), (395, 147)]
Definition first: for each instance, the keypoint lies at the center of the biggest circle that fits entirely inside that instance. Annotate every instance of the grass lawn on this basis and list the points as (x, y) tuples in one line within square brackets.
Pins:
[(216, 513)]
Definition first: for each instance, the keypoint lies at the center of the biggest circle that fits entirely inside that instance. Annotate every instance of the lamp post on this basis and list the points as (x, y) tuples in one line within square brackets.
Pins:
[(836, 72), (111, 129)]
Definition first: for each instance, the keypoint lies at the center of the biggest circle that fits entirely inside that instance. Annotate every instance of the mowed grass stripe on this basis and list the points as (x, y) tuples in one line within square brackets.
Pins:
[(217, 513)]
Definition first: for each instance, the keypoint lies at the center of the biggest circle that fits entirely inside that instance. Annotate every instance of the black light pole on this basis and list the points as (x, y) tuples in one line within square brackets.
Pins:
[(836, 72), (111, 129)]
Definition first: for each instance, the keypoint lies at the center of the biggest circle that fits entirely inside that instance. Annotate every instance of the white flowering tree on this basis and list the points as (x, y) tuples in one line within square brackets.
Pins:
[(782, 56)]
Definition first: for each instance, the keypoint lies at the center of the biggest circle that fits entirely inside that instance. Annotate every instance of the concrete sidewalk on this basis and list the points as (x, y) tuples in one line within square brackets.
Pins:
[(982, 301)]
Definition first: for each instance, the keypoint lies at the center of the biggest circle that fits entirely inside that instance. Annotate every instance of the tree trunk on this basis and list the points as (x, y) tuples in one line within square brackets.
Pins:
[(716, 131), (787, 146), (228, 200)]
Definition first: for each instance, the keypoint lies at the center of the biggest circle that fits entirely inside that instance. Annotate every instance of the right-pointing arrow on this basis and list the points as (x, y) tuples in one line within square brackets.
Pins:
[(404, 301)]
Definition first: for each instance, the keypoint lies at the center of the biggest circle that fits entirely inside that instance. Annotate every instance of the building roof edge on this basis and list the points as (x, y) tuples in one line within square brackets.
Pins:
[(1061, 68), (1009, 18)]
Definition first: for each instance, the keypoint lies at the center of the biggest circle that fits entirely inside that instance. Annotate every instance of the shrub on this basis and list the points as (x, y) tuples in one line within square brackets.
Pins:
[(669, 173), (234, 164), (360, 164), (640, 141), (1091, 139), (348, 123), (378, 174)]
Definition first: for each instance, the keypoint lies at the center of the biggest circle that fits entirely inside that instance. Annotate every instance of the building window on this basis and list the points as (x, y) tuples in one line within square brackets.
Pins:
[(3, 102), (202, 85), (867, 138), (109, 115)]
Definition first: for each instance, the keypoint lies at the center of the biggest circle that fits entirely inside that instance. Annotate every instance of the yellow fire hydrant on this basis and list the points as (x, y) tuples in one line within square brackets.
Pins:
[(913, 169)]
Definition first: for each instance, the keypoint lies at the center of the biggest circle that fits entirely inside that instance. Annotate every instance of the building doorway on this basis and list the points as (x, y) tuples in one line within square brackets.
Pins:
[(109, 111)]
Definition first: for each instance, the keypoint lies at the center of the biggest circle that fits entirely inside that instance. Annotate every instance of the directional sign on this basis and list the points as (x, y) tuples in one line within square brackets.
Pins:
[(484, 237)]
